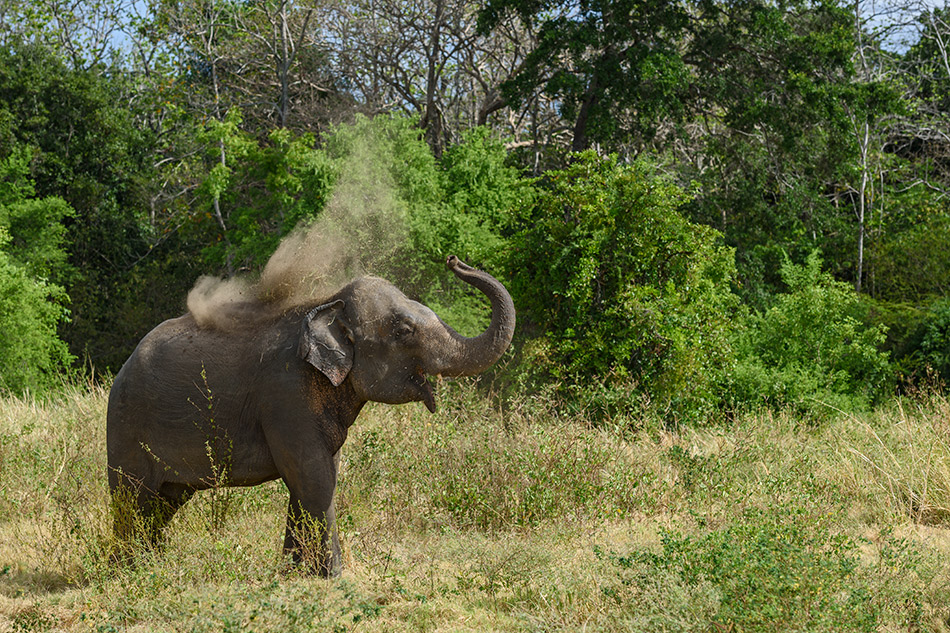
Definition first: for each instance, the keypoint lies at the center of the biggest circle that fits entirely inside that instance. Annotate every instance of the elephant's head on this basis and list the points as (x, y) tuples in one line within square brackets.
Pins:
[(386, 344)]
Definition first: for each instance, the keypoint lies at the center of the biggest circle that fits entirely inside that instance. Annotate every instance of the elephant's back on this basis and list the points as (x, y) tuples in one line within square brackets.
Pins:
[(180, 362), (163, 357), (171, 340)]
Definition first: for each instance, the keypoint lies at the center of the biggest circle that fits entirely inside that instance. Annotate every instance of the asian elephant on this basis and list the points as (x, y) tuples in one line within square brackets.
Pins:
[(197, 406)]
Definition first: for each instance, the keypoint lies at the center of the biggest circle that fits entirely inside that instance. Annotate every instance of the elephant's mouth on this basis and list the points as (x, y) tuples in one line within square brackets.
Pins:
[(422, 385)]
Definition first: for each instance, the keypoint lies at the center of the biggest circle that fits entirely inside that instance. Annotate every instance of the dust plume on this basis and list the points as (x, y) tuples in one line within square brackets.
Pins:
[(359, 231)]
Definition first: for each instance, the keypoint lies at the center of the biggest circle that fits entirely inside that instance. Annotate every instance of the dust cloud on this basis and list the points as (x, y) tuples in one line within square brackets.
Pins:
[(361, 228)]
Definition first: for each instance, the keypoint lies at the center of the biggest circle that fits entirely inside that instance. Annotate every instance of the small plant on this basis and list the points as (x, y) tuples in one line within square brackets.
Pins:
[(219, 448), (219, 452)]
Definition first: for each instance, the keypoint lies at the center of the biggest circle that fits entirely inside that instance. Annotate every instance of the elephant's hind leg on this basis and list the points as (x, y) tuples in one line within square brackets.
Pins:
[(170, 498), (140, 513)]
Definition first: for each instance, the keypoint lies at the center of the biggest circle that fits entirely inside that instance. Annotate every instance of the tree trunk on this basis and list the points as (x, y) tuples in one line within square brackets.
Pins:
[(432, 119), (581, 142)]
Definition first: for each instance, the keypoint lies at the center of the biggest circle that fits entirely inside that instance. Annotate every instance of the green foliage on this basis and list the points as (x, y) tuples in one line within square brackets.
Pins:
[(262, 190), (622, 286), (480, 191), (613, 66), (928, 55), (935, 338), (913, 265), (37, 233), (777, 170), (394, 189), (31, 306), (32, 356), (812, 349), (88, 150), (909, 279), (765, 214), (777, 569)]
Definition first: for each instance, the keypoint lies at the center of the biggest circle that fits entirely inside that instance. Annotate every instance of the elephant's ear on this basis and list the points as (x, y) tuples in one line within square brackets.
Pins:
[(326, 342)]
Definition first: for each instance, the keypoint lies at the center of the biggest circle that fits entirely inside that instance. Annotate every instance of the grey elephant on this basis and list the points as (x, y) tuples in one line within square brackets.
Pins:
[(197, 406)]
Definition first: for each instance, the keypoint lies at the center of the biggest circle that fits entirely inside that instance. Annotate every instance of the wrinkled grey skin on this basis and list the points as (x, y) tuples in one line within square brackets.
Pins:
[(195, 407)]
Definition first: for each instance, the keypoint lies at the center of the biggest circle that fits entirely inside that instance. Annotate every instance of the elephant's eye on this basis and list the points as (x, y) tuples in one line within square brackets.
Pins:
[(402, 330)]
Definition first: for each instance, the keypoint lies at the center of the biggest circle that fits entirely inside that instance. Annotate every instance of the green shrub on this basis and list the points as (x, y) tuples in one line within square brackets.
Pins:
[(812, 349), (480, 193), (913, 265), (31, 306), (935, 338), (31, 354), (622, 287), (781, 569)]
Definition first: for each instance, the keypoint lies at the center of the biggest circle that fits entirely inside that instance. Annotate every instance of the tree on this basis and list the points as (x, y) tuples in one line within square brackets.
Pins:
[(923, 134), (789, 159), (615, 66), (425, 59), (82, 33), (265, 58), (88, 151)]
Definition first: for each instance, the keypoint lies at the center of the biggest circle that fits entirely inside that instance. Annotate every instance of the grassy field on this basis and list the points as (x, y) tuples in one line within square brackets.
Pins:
[(477, 519)]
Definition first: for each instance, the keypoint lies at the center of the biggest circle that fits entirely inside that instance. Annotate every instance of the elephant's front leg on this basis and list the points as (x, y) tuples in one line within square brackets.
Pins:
[(311, 537)]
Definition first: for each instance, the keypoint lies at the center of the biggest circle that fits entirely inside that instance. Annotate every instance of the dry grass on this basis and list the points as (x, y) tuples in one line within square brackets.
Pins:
[(477, 519), (900, 459)]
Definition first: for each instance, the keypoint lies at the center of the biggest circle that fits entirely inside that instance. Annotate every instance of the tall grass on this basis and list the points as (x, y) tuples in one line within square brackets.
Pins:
[(899, 459), (523, 518)]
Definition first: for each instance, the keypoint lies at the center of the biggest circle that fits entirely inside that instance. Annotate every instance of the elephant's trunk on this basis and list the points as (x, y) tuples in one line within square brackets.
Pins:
[(470, 356)]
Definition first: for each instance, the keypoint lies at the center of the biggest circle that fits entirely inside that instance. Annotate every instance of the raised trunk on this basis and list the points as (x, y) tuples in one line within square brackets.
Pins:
[(470, 356)]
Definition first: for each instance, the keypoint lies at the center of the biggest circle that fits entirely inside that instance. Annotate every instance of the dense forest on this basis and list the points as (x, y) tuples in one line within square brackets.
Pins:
[(699, 206)]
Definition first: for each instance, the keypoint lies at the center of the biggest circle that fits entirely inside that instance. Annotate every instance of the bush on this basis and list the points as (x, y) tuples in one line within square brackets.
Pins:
[(623, 288), (779, 569), (31, 307), (935, 338), (481, 192), (31, 354), (812, 349), (913, 265)]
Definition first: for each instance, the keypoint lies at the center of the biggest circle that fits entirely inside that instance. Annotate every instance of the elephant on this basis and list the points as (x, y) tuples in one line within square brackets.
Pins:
[(197, 406)]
